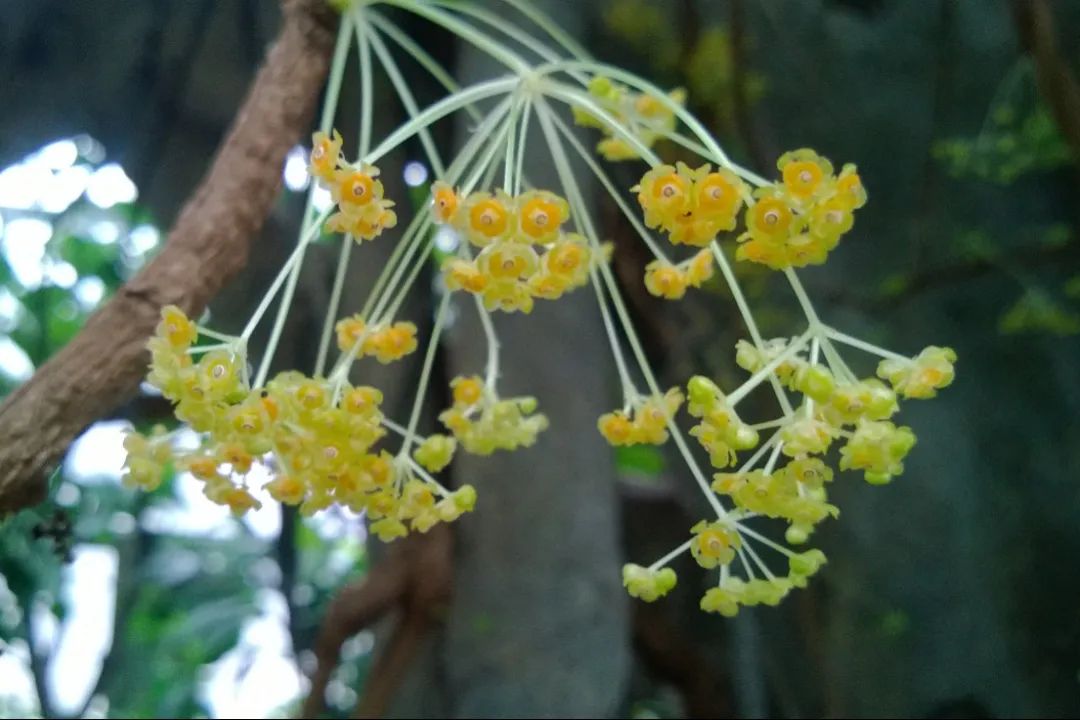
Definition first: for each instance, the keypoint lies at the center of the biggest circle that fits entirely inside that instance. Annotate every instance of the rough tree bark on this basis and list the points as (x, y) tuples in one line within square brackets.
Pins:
[(207, 246)]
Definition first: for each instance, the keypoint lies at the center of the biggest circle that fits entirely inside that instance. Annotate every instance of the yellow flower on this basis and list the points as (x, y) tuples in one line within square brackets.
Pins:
[(467, 391), (356, 189), (806, 436), (464, 275), (361, 400), (831, 218), (770, 219), (445, 202), (769, 254), (436, 452), (569, 258), (176, 328), (849, 187), (287, 489), (218, 375), (617, 429), (647, 584), (391, 343), (805, 173), (547, 285), (664, 194), (508, 296), (350, 331), (714, 544), (366, 225), (878, 448), (689, 229), (665, 280), (236, 456), (614, 149), (806, 563), (540, 214), (699, 269), (239, 500), (486, 218), (388, 529), (651, 418), (722, 600), (508, 262), (922, 376), (718, 196), (325, 155)]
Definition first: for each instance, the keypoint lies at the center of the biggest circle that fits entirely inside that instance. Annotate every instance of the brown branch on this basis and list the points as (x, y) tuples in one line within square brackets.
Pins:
[(415, 577), (207, 246), (1058, 86)]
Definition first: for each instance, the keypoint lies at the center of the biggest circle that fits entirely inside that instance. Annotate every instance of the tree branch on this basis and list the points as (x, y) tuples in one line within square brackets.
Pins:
[(207, 246), (416, 577), (1058, 86)]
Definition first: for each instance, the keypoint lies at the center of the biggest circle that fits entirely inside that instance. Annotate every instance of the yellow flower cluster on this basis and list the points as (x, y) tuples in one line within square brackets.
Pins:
[(733, 592), (316, 437), (669, 281), (856, 411), (692, 206), (524, 252), (147, 460), (435, 452), (363, 212), (484, 423), (795, 492), (799, 220), (921, 376), (386, 343), (720, 431), (647, 584), (646, 422), (644, 116)]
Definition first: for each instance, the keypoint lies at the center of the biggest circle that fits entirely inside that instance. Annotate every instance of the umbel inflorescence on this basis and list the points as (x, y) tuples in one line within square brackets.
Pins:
[(324, 440)]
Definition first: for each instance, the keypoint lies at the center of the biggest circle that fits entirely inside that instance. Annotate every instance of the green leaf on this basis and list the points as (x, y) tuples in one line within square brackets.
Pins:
[(640, 459)]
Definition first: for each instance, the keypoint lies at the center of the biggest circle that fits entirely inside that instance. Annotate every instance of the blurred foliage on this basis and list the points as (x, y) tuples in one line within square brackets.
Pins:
[(182, 599), (1019, 135)]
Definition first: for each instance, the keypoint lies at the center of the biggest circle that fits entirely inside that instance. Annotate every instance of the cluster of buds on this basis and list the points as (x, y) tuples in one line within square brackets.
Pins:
[(644, 421), (483, 423), (644, 116), (386, 343), (834, 408), (666, 280)]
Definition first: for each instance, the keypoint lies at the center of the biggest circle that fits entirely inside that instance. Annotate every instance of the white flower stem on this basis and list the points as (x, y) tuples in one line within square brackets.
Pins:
[(335, 301), (581, 217), (605, 181), (425, 374), (769, 369), (671, 556), (748, 318), (863, 345)]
